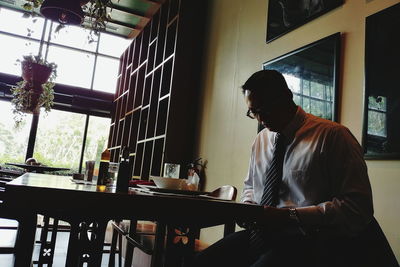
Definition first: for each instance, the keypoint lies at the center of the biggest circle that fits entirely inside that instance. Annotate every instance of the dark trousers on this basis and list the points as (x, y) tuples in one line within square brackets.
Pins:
[(368, 249), (234, 250)]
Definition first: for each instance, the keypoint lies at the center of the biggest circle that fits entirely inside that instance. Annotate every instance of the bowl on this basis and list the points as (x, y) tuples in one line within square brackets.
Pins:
[(169, 183)]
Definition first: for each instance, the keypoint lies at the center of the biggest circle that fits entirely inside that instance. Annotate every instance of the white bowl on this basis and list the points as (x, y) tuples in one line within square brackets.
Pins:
[(169, 183)]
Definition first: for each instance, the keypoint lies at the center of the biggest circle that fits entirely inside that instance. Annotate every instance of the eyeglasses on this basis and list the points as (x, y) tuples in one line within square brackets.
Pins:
[(253, 114)]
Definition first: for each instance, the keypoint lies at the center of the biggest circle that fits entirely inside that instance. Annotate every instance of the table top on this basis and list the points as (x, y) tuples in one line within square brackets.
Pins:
[(58, 195), (37, 168)]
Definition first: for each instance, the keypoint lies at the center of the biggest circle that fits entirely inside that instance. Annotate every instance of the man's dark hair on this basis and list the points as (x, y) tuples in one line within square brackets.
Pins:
[(270, 80)]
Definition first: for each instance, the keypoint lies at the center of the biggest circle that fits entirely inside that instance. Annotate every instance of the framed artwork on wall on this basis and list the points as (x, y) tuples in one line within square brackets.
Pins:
[(287, 15), (381, 135), (312, 73)]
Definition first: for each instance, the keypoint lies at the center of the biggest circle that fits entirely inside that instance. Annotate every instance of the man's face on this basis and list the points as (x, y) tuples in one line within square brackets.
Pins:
[(267, 110)]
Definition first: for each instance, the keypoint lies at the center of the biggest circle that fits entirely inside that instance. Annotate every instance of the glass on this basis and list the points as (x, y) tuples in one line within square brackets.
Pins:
[(112, 45), (112, 173), (96, 140), (14, 22), (105, 77), (59, 139), (13, 142), (13, 48), (73, 36), (74, 68), (171, 170)]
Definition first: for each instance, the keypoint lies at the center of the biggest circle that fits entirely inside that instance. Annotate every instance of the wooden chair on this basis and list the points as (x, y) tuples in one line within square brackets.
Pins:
[(26, 228), (145, 235)]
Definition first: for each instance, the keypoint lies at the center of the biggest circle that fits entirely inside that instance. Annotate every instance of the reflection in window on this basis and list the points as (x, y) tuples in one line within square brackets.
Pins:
[(13, 48), (59, 139), (73, 67), (13, 142), (96, 140), (314, 97), (377, 108), (105, 78)]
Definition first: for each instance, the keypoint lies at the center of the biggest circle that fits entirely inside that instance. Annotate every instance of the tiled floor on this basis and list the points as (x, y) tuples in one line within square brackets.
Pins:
[(7, 239)]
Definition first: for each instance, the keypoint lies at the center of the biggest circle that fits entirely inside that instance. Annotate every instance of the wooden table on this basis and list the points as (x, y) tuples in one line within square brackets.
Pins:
[(82, 205)]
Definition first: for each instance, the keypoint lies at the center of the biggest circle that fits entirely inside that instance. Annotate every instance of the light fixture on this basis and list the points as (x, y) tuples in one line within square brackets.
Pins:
[(64, 11)]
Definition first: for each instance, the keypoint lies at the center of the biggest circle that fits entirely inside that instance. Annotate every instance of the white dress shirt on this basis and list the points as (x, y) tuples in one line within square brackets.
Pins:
[(324, 174)]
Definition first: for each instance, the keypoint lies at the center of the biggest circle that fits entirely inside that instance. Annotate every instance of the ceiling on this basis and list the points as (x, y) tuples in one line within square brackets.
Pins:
[(128, 17)]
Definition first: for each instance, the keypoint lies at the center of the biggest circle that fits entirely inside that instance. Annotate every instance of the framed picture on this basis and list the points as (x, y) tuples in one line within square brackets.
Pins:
[(381, 135), (286, 15), (312, 73)]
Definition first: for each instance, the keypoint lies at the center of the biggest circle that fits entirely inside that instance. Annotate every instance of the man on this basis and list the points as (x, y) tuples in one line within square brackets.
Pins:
[(316, 192)]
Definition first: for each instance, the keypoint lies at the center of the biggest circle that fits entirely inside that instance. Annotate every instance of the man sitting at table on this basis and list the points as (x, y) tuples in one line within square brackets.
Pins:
[(311, 178)]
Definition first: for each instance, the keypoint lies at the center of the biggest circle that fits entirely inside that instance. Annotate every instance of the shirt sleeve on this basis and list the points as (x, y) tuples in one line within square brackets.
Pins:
[(351, 208), (248, 190)]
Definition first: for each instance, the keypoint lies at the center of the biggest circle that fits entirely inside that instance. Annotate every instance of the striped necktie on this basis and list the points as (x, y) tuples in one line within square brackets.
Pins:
[(274, 173), (271, 189)]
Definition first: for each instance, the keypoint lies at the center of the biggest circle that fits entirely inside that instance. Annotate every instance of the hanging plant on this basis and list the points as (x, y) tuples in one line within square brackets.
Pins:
[(73, 12), (36, 88)]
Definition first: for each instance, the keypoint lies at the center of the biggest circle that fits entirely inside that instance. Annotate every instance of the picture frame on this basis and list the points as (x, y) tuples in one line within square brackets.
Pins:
[(287, 15), (312, 73), (381, 127)]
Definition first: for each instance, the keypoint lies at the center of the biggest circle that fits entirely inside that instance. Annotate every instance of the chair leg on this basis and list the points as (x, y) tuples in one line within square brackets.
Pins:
[(111, 262), (119, 250), (25, 240), (129, 246)]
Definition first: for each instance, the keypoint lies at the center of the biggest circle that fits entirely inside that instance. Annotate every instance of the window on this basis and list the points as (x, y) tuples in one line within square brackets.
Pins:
[(61, 135), (377, 116), (105, 78), (14, 22), (59, 139), (12, 49), (313, 97), (73, 67), (97, 139), (13, 142)]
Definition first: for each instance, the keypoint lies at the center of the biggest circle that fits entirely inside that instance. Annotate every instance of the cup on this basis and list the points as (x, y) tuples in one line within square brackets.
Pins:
[(89, 170)]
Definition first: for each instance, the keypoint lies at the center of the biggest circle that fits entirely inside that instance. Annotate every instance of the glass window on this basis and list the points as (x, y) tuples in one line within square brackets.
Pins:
[(112, 45), (73, 36), (96, 140), (73, 67), (59, 139), (377, 116), (105, 77), (14, 22), (13, 48), (13, 141)]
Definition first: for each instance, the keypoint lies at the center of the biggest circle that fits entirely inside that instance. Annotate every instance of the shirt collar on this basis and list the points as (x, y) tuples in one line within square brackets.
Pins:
[(298, 120)]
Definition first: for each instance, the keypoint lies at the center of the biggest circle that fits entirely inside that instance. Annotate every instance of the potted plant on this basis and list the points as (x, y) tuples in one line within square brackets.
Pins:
[(36, 88), (73, 12)]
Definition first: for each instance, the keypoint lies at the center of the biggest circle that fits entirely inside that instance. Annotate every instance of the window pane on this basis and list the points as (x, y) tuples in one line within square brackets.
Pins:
[(73, 67), (96, 140), (13, 22), (112, 45), (73, 36), (59, 139), (13, 48), (13, 142), (105, 78), (377, 123)]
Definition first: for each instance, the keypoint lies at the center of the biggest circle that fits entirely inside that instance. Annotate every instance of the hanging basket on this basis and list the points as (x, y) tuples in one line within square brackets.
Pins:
[(35, 75)]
